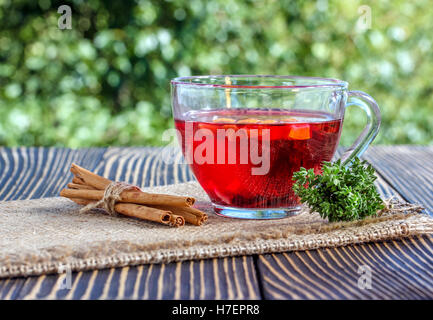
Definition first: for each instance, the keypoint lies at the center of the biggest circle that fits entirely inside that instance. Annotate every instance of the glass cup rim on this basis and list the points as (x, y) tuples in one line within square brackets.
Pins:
[(328, 83)]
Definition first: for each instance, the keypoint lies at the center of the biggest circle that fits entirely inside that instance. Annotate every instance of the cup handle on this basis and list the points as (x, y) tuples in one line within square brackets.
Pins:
[(366, 103)]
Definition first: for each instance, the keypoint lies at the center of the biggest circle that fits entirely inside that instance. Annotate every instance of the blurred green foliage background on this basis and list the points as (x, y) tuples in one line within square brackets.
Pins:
[(106, 81)]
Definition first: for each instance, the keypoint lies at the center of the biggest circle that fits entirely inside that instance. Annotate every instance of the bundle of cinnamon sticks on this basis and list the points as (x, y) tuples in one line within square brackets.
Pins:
[(87, 187)]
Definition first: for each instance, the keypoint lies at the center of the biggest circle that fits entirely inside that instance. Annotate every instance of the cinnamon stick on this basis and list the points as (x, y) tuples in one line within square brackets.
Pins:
[(98, 182), (177, 221), (191, 215), (88, 187), (78, 181), (90, 178), (141, 212), (137, 197), (83, 202), (178, 216), (79, 186)]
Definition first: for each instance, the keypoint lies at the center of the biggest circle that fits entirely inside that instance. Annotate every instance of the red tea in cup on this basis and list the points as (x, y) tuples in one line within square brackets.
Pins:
[(295, 139)]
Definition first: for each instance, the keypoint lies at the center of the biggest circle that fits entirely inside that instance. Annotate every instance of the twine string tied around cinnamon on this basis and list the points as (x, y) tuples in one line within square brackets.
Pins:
[(111, 196)]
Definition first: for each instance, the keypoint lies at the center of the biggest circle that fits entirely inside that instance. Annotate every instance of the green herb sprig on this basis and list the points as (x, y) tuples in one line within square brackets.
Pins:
[(340, 193)]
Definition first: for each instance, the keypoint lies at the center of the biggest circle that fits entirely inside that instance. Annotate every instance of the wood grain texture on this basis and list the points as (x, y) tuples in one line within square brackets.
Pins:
[(30, 173), (408, 169), (228, 278), (400, 269)]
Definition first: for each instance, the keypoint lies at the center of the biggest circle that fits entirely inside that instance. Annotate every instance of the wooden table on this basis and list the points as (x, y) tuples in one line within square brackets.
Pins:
[(400, 269)]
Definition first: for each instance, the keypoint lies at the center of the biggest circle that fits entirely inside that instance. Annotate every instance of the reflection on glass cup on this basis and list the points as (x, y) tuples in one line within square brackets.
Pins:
[(245, 136)]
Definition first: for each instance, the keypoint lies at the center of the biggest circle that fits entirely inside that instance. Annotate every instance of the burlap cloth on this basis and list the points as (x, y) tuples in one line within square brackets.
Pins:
[(47, 235)]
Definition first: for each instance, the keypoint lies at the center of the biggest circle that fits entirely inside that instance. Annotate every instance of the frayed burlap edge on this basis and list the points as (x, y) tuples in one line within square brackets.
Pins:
[(122, 253)]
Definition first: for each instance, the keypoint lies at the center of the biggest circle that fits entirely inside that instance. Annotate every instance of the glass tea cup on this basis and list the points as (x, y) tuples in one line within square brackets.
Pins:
[(245, 136)]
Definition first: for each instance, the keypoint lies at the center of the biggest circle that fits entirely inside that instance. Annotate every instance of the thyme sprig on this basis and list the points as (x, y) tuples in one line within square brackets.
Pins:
[(340, 193)]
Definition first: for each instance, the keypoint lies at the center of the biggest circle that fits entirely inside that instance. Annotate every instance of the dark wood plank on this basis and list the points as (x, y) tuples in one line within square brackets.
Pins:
[(10, 288), (144, 166), (333, 273), (408, 169), (29, 173), (228, 278)]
